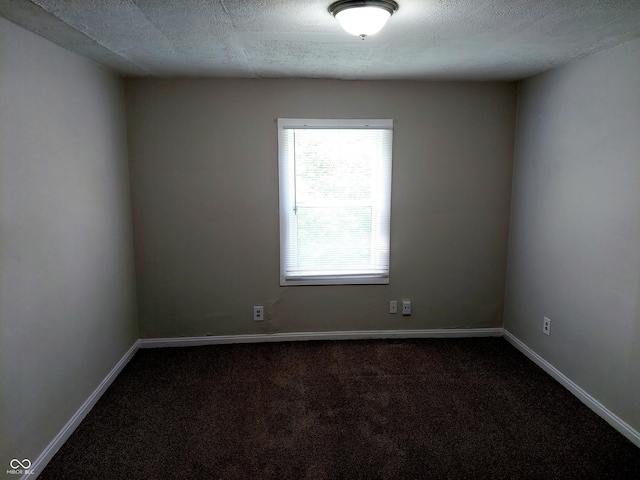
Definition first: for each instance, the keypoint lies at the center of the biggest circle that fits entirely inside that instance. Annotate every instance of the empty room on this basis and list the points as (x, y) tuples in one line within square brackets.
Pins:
[(317, 240)]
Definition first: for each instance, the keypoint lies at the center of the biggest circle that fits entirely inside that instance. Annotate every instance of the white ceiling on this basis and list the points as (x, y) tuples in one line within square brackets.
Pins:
[(424, 39)]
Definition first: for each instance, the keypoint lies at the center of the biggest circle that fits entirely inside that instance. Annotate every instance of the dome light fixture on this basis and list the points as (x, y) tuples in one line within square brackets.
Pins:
[(363, 17)]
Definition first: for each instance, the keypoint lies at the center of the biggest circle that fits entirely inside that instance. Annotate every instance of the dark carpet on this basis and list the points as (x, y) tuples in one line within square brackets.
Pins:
[(375, 409)]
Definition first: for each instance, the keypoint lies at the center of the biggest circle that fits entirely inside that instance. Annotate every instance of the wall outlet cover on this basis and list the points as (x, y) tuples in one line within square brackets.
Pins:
[(406, 307), (546, 326)]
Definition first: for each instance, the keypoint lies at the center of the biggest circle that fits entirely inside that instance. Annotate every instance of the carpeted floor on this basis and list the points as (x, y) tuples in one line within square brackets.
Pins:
[(402, 409)]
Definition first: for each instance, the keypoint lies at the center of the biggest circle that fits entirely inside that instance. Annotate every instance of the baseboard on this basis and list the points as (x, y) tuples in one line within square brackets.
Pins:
[(616, 422), (45, 457), (48, 453), (301, 336)]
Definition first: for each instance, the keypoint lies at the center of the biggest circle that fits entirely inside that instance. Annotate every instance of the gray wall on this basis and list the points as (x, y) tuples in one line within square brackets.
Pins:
[(204, 174), (67, 298), (574, 253)]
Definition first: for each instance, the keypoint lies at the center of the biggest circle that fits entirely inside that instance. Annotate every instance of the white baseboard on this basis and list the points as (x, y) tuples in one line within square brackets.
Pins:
[(48, 453), (300, 336), (41, 462), (613, 420), (45, 457)]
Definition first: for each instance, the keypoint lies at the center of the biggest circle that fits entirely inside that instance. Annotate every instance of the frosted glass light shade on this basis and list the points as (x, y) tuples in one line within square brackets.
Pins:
[(363, 21), (363, 17)]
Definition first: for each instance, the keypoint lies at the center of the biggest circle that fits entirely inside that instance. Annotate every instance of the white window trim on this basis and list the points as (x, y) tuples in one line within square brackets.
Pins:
[(353, 278)]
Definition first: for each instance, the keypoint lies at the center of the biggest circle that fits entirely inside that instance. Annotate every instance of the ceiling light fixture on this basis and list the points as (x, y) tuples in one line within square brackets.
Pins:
[(363, 17)]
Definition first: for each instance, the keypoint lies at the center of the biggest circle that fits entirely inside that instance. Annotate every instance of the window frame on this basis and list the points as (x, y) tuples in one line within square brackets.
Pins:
[(357, 278)]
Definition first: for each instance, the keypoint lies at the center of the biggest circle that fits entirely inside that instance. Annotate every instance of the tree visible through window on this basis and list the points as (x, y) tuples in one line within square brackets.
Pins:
[(335, 195)]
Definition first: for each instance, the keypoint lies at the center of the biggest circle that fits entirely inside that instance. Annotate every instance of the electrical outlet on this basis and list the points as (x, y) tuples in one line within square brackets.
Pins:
[(393, 306), (546, 326), (406, 307), (258, 313)]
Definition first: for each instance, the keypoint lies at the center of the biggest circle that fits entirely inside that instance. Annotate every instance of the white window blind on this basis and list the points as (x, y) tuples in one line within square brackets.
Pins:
[(335, 201)]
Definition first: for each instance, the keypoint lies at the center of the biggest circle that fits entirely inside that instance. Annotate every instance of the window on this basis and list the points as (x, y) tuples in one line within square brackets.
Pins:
[(335, 201)]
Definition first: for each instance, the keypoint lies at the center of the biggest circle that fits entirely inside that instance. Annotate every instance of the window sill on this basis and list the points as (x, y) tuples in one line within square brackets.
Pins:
[(335, 280)]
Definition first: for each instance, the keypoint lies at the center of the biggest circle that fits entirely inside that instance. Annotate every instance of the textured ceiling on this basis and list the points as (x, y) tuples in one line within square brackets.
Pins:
[(424, 39)]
